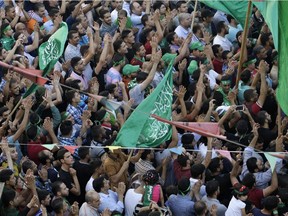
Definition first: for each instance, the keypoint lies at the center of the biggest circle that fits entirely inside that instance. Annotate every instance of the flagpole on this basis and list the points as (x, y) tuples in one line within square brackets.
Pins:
[(279, 120), (193, 16), (243, 43)]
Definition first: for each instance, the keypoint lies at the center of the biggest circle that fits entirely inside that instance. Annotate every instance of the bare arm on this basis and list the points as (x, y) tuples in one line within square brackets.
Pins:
[(263, 67)]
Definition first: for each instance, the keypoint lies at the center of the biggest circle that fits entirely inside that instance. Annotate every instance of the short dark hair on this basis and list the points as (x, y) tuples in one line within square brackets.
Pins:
[(83, 151), (53, 12), (117, 44), (187, 138), (57, 205), (220, 26), (56, 187), (211, 187), (74, 61), (214, 164), (182, 160), (270, 202), (69, 95), (229, 18), (61, 153), (70, 34), (136, 47), (145, 154), (102, 13), (179, 3), (144, 19), (170, 37), (196, 28), (215, 48), (261, 117), (248, 94), (83, 49), (42, 194), (98, 183), (28, 164), (125, 33), (249, 180), (95, 164), (37, 6), (252, 164), (200, 207), (245, 76), (8, 196), (141, 76), (196, 170), (5, 175), (184, 186), (42, 157), (66, 127)]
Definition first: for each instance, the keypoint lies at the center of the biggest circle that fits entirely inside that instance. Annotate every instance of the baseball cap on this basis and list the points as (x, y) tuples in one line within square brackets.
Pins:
[(128, 69), (196, 46), (192, 67)]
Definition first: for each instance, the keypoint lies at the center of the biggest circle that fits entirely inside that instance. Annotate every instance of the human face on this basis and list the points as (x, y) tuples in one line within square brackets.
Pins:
[(162, 9), (4, 53), (118, 4), (106, 184), (23, 38), (9, 32), (183, 8), (11, 13), (81, 29), (107, 18), (64, 190), (95, 201), (130, 38), (80, 66), (255, 96), (14, 154), (225, 87), (21, 28), (123, 48), (84, 21), (68, 159), (142, 51), (15, 89), (75, 39), (262, 54), (137, 9), (41, 12), (186, 22), (12, 181), (46, 201), (260, 165)]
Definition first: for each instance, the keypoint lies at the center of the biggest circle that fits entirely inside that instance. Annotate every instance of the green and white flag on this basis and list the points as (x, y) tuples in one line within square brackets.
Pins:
[(49, 53), (236, 8), (142, 130)]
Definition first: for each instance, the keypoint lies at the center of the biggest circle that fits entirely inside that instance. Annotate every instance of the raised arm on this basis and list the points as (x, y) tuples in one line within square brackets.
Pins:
[(263, 68)]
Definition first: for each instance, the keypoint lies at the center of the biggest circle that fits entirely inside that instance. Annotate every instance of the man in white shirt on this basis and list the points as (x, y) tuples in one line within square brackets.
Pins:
[(184, 28), (136, 15), (222, 30), (114, 13), (90, 207)]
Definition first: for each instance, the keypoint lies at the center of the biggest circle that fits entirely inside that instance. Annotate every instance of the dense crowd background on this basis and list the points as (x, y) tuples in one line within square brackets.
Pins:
[(120, 50)]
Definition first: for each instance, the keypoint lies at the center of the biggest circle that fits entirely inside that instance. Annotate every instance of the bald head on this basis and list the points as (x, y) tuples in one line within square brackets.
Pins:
[(91, 196)]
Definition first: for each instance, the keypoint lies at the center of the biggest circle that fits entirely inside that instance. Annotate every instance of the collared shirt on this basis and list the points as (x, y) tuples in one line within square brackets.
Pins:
[(72, 51), (232, 33), (262, 178), (181, 205), (223, 42), (136, 20), (182, 32), (111, 202), (84, 40), (87, 209), (48, 26), (113, 76), (76, 112), (111, 29), (221, 209), (82, 78)]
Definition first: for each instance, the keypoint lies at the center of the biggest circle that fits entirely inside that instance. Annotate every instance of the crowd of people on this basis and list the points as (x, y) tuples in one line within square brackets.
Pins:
[(120, 49)]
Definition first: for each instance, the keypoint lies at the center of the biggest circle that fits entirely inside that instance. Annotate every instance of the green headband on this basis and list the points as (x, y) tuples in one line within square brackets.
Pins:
[(185, 192), (249, 62), (7, 28), (118, 63), (226, 82)]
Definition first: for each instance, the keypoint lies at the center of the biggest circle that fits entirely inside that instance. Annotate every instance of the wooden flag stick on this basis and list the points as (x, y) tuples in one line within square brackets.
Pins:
[(243, 43), (194, 13), (279, 120), (130, 155)]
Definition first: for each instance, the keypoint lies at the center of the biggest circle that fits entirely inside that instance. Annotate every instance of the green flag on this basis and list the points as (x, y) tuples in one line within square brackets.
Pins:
[(49, 53), (269, 10), (236, 8), (142, 130), (282, 36)]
